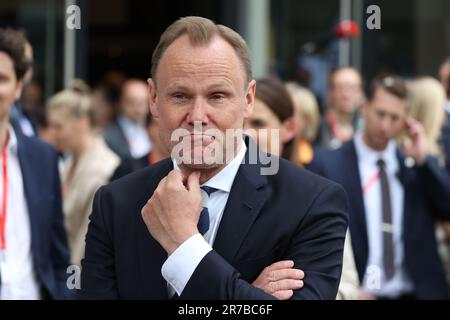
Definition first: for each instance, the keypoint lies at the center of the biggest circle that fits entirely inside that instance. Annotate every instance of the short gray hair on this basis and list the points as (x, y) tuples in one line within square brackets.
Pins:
[(201, 31)]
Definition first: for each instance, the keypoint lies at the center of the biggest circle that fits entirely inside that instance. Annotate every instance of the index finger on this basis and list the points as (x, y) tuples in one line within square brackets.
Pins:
[(285, 264), (174, 178)]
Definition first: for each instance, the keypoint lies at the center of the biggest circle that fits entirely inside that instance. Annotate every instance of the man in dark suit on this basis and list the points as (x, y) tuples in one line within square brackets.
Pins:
[(212, 229), (33, 249), (127, 136), (396, 197)]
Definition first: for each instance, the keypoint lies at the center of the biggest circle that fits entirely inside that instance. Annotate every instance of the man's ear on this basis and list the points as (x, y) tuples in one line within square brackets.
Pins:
[(18, 91), (250, 99), (153, 99), (289, 128)]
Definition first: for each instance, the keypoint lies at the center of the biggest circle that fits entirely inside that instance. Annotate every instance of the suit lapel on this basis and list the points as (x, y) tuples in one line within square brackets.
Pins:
[(247, 196), (405, 176), (358, 226), (150, 253), (30, 185)]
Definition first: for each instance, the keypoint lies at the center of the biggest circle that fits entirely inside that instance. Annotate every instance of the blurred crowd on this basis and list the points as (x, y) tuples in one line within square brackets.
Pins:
[(389, 148)]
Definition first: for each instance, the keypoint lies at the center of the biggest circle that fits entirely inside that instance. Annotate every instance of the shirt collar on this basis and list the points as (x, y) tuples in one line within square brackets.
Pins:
[(447, 106), (225, 178), (125, 122), (367, 154), (12, 141)]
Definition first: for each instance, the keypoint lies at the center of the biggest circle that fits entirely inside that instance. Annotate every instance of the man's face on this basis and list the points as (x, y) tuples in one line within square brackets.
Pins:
[(202, 86), (10, 88), (345, 93), (384, 119), (134, 101)]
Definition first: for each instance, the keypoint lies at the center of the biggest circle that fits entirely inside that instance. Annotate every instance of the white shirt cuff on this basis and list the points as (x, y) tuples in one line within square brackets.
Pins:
[(181, 264)]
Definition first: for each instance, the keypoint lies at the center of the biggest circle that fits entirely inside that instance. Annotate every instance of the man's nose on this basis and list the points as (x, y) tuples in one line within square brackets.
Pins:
[(385, 124), (198, 112)]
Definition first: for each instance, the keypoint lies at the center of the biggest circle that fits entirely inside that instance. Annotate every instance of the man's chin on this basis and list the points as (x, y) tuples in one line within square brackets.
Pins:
[(381, 143), (201, 166)]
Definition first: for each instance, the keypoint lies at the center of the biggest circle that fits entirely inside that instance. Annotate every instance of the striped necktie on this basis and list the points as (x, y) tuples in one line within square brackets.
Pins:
[(203, 221)]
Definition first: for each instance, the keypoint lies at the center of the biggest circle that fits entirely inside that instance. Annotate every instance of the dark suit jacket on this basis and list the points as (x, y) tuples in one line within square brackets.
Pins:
[(116, 140), (427, 196), (291, 215), (39, 166)]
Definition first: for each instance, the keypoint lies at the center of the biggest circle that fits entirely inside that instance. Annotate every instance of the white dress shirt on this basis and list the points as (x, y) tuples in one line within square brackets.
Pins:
[(137, 137), (18, 279), (447, 106), (181, 264), (374, 281)]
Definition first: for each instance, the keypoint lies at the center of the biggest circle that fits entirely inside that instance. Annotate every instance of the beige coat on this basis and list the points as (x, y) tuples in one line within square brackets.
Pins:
[(94, 169), (349, 285)]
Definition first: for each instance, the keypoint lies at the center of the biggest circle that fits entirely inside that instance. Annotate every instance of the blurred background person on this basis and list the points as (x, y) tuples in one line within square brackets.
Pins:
[(104, 101), (127, 136), (22, 117), (89, 165), (158, 152), (272, 122), (394, 202), (345, 95), (444, 72), (307, 118), (426, 100)]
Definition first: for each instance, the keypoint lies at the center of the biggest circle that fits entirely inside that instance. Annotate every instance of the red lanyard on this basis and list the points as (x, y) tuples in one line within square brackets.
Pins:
[(371, 182), (4, 201)]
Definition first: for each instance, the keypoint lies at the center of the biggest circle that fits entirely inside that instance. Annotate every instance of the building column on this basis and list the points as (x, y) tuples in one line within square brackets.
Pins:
[(254, 25)]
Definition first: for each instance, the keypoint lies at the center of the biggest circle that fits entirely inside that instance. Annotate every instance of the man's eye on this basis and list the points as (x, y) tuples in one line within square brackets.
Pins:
[(217, 96), (179, 96), (380, 114)]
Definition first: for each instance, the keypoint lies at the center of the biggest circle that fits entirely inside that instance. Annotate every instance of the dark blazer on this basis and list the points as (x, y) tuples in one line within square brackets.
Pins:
[(39, 166), (116, 140), (446, 141), (291, 215), (427, 196)]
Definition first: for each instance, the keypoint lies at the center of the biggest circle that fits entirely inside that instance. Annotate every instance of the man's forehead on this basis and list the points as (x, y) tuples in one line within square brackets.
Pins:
[(398, 107), (6, 59), (215, 49), (346, 77), (216, 55)]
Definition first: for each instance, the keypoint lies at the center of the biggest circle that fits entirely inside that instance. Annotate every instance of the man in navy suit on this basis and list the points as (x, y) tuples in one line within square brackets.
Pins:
[(211, 229), (33, 249), (395, 198)]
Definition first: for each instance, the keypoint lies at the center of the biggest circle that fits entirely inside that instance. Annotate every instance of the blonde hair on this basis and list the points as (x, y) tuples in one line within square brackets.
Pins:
[(306, 105), (76, 100), (426, 105), (200, 32)]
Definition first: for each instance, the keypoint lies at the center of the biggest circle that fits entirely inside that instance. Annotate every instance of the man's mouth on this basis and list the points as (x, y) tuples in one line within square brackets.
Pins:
[(202, 139)]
